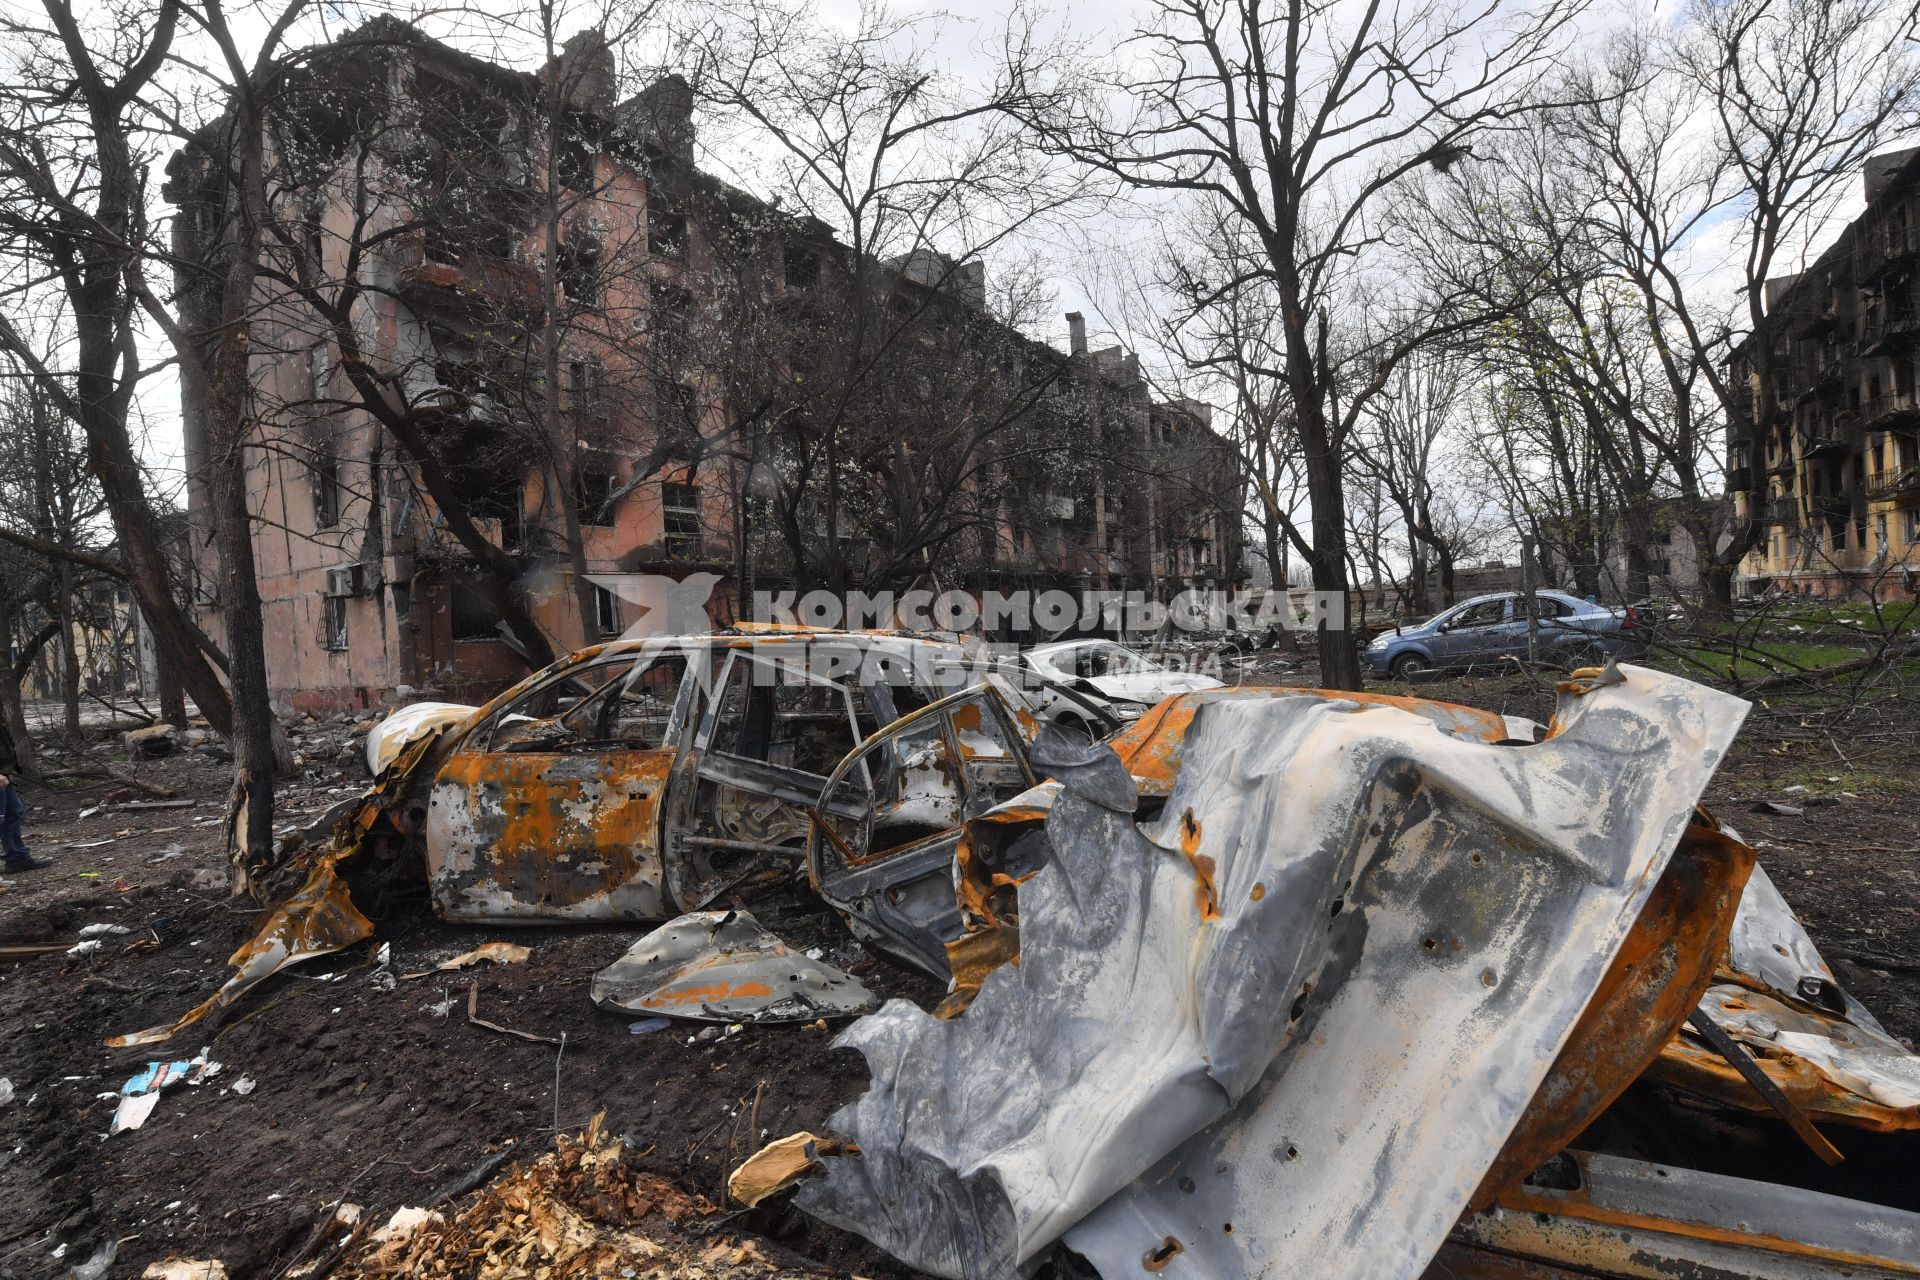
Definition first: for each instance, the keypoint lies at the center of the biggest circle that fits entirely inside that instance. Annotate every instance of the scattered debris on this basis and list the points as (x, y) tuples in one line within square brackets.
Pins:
[(492, 952), (150, 743), (6, 1091), (1779, 810), (245, 1085), (141, 1094), (177, 1268), (101, 930), (721, 966), (647, 1026), (778, 1165), (97, 1264), (84, 948), (580, 1210), (473, 1016)]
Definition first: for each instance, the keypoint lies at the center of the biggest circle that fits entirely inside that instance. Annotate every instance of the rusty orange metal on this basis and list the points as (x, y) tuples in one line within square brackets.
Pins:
[(1656, 980), (1695, 1069)]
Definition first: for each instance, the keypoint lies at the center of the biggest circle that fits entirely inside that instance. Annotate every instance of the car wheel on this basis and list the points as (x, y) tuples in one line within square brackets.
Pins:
[(1408, 665)]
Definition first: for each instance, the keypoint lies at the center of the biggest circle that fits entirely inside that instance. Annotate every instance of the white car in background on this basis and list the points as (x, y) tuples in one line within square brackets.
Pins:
[(1125, 682)]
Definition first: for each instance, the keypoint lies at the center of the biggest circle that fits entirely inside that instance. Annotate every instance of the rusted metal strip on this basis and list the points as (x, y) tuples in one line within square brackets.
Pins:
[(1743, 1062)]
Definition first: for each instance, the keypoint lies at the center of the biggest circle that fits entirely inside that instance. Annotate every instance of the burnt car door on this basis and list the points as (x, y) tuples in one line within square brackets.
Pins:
[(889, 820), (779, 717), (550, 809)]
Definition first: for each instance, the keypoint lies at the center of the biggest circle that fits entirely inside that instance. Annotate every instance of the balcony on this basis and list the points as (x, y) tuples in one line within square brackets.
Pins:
[(1900, 487), (1883, 333), (472, 278), (1831, 506), (1827, 437), (1780, 511), (1891, 412), (1884, 248)]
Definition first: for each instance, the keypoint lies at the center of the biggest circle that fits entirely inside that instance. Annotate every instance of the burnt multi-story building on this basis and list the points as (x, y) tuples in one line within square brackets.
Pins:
[(1841, 505), (509, 305)]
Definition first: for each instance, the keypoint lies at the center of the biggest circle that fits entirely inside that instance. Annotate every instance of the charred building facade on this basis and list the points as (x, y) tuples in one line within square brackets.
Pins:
[(1841, 504), (510, 337)]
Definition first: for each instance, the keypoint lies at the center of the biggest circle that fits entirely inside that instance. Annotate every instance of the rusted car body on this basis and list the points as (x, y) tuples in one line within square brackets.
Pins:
[(639, 780)]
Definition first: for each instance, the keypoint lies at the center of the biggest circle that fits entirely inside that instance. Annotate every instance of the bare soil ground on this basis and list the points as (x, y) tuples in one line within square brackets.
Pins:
[(383, 1098)]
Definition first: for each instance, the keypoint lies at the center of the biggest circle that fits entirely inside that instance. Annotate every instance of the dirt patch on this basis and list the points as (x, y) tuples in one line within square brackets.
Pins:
[(383, 1098), (376, 1097)]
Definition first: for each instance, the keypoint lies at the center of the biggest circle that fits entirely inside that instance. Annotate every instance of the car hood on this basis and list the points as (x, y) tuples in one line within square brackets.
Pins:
[(1152, 686)]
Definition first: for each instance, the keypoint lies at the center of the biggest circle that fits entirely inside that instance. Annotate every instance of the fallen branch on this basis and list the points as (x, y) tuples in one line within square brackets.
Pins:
[(98, 772), (473, 1016), (472, 1178)]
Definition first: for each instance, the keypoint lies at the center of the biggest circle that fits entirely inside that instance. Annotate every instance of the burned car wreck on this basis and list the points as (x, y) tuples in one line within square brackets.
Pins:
[(1272, 983)]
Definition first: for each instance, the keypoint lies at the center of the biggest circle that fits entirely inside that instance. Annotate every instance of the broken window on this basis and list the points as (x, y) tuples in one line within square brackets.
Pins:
[(587, 389), (667, 234), (802, 267), (606, 612), (595, 499), (669, 308), (579, 271), (785, 714), (676, 411), (680, 512), (575, 150), (473, 616), (320, 374), (326, 490), (333, 622)]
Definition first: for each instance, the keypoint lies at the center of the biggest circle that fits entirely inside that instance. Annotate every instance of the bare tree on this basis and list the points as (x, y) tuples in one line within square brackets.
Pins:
[(1296, 124), (896, 405), (74, 229)]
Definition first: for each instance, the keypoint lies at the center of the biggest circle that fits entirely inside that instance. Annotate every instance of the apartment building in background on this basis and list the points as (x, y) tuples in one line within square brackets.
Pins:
[(495, 232), (1841, 504)]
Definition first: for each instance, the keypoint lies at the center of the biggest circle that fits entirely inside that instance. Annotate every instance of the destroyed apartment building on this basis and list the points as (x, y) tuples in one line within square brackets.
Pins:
[(1837, 487), (503, 309)]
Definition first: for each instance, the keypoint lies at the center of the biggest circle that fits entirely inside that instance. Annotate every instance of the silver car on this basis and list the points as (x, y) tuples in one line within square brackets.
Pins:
[(1566, 631)]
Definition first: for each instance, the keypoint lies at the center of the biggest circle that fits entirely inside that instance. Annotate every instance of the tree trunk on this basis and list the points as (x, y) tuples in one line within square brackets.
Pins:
[(173, 697), (69, 658), (1339, 657)]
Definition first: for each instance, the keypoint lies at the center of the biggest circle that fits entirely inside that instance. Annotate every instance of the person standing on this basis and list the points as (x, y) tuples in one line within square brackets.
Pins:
[(12, 838)]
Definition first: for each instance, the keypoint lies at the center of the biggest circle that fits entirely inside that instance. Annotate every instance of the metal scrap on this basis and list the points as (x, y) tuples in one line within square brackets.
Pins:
[(1409, 924), (722, 966)]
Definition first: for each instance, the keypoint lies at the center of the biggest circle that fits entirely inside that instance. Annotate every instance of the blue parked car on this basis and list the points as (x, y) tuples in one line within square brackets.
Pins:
[(1480, 632)]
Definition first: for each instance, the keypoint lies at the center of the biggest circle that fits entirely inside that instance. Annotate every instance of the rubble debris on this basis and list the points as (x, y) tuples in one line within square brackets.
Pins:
[(177, 1268), (98, 1263), (1284, 948), (141, 1094), (150, 743), (579, 1210), (491, 952), (777, 1166), (722, 966), (6, 1091), (1779, 810), (647, 1026), (101, 930)]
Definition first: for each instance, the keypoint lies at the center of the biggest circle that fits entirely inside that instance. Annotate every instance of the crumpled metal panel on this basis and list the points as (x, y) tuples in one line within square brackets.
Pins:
[(722, 966), (1282, 1028)]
